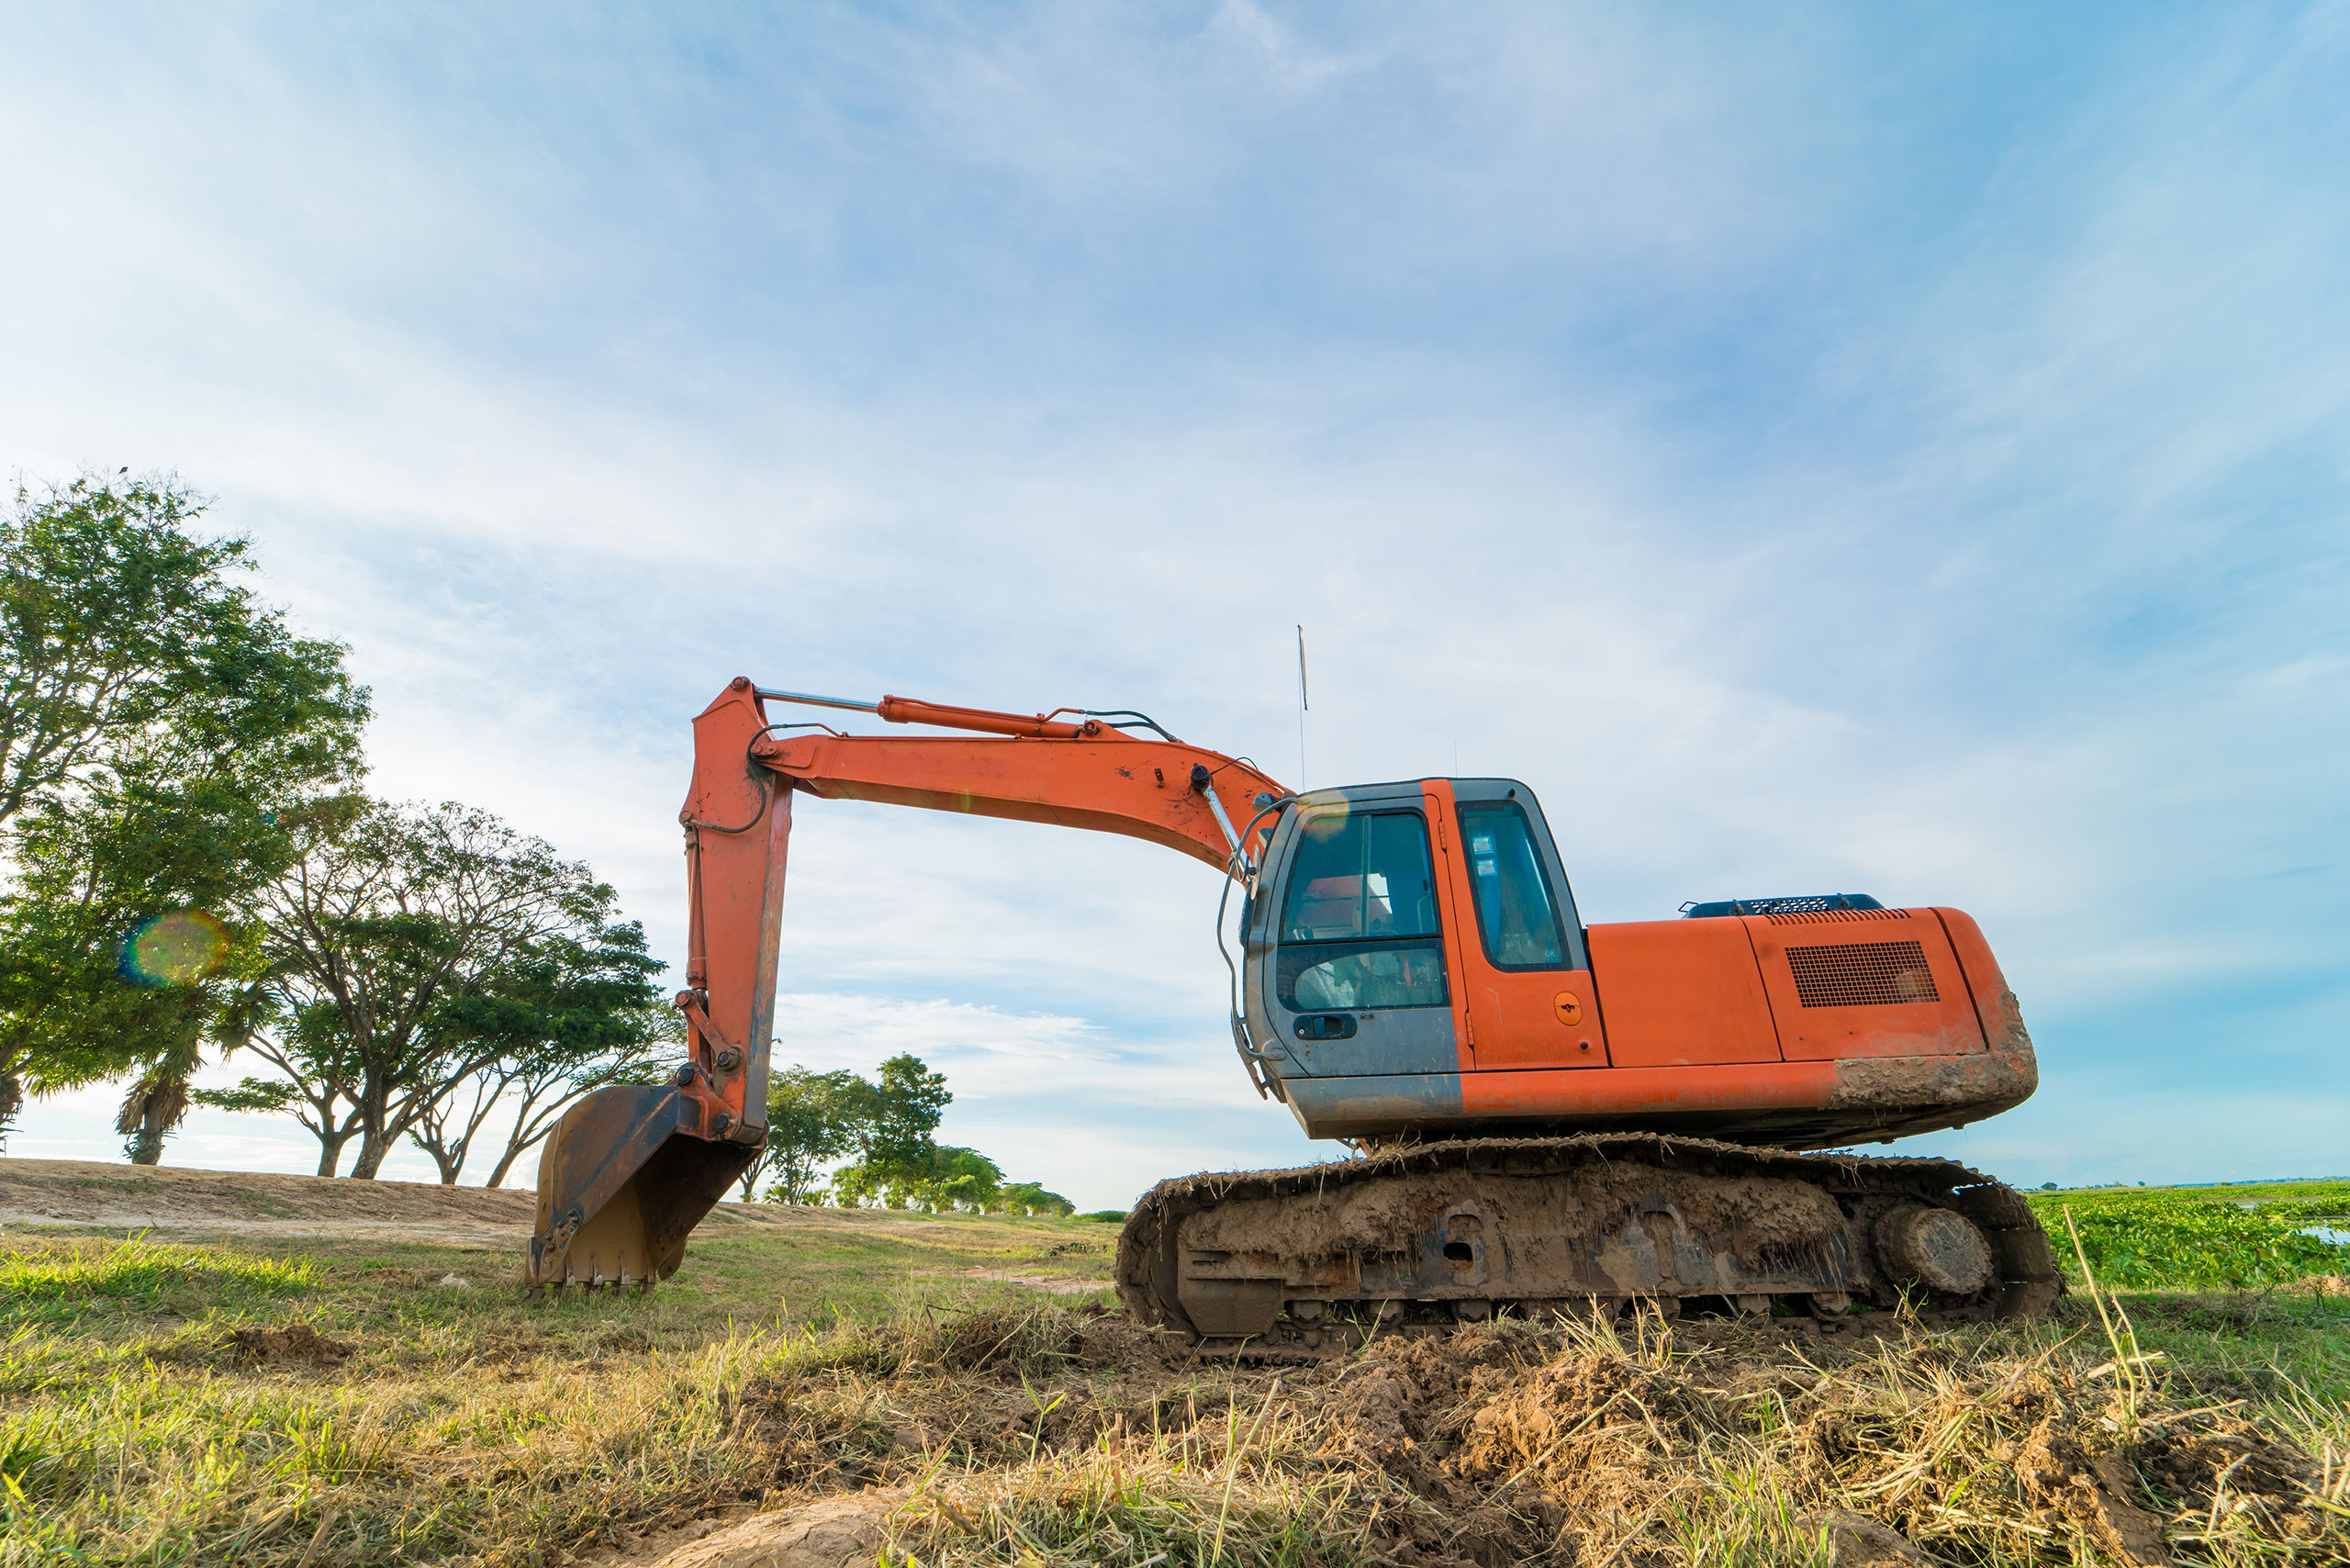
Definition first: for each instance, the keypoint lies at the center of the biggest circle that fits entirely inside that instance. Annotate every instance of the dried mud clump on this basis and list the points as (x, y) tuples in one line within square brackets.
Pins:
[(296, 1345), (1759, 1216), (1398, 1413), (839, 1533), (2216, 1467), (1855, 1540)]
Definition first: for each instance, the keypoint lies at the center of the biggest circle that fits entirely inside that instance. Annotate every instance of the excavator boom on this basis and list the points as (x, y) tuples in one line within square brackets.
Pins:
[(629, 1171)]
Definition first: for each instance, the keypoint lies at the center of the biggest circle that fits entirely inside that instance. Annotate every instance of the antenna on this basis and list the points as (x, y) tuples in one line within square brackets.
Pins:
[(1301, 705)]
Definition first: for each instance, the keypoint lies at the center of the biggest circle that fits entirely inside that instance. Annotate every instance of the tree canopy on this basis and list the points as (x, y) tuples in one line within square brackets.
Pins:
[(890, 1123), (567, 1015), (157, 723), (811, 1117), (411, 949)]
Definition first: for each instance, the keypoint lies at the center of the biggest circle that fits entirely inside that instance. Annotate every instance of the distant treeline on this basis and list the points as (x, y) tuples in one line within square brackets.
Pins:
[(815, 1117)]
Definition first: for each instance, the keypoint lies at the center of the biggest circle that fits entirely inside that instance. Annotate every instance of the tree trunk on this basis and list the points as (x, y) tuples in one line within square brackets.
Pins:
[(515, 1151), (12, 1100), (374, 1138), (451, 1162), (331, 1152), (371, 1150), (152, 1109)]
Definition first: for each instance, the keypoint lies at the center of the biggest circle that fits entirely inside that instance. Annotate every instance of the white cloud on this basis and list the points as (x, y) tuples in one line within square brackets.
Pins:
[(1806, 468)]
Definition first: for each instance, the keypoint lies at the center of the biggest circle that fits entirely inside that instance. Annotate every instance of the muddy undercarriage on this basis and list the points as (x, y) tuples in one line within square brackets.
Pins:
[(1316, 1260)]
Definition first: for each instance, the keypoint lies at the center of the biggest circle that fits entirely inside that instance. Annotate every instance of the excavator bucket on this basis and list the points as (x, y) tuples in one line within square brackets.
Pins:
[(623, 1178)]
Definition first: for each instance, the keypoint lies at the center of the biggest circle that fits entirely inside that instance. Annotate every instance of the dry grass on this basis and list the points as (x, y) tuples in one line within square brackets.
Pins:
[(171, 1422), (1600, 1444)]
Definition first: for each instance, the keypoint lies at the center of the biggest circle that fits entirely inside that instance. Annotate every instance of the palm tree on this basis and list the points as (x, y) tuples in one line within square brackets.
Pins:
[(157, 1101)]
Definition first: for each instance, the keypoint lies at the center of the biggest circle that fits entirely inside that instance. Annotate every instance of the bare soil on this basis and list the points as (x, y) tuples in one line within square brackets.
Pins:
[(296, 1344), (253, 1202), (265, 1209), (173, 1199)]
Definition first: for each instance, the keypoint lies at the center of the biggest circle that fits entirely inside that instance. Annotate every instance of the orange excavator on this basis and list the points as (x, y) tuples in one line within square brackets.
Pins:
[(1544, 1115)]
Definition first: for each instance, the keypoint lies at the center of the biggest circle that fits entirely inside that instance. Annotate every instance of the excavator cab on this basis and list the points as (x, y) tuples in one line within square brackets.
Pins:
[(1401, 936)]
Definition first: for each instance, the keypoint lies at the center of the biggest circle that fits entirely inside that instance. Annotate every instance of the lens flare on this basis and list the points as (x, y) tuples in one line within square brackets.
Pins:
[(173, 950)]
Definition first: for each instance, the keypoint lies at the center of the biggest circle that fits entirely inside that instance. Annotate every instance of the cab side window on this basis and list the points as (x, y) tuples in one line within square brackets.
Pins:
[(1359, 922), (1516, 913)]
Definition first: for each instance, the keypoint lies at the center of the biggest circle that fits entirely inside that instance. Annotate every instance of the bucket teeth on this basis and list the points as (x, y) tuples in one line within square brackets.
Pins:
[(623, 1179)]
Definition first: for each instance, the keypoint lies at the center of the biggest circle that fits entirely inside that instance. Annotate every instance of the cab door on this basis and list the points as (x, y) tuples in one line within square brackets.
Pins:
[(1525, 994), (1356, 985)]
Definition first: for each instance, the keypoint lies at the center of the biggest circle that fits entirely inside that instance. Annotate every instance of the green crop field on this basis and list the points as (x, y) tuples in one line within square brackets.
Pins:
[(2200, 1237)]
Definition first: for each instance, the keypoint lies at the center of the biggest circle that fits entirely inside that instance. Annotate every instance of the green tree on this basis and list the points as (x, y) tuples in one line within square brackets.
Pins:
[(963, 1179), (908, 1101), (1031, 1198), (549, 1084), (896, 1158), (392, 923), (855, 1186), (156, 721), (811, 1117), (567, 1015)]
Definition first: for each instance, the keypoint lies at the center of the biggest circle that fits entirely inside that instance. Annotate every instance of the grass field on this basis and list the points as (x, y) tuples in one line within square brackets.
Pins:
[(231, 1402)]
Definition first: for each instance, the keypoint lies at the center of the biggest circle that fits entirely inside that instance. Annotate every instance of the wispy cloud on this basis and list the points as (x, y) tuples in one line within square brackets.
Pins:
[(1834, 453)]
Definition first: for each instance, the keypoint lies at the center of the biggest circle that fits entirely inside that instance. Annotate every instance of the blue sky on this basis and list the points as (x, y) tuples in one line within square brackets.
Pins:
[(1876, 448)]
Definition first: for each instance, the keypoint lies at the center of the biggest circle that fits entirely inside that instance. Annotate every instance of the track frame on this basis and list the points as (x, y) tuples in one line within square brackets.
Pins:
[(1276, 1264)]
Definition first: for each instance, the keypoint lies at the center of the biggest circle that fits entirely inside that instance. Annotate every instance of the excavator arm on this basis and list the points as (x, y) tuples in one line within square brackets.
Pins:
[(631, 1170)]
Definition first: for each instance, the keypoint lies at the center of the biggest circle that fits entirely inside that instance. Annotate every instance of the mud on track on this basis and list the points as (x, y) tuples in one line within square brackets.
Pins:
[(1605, 1216)]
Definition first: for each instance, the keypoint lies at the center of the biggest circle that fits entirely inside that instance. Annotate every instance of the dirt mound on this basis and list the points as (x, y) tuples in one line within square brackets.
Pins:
[(296, 1344), (170, 1200), (1501, 1445)]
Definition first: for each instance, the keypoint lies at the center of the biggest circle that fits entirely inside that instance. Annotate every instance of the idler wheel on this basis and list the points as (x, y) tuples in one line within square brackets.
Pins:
[(1940, 1250)]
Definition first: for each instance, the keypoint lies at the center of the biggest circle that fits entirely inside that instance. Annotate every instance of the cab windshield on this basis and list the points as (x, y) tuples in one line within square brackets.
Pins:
[(1359, 923)]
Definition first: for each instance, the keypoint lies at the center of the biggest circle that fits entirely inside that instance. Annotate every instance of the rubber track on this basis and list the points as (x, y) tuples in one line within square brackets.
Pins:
[(1146, 1267)]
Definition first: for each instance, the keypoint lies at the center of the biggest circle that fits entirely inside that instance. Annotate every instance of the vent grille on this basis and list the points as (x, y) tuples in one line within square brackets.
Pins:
[(1815, 917), (1862, 974), (1807, 902)]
